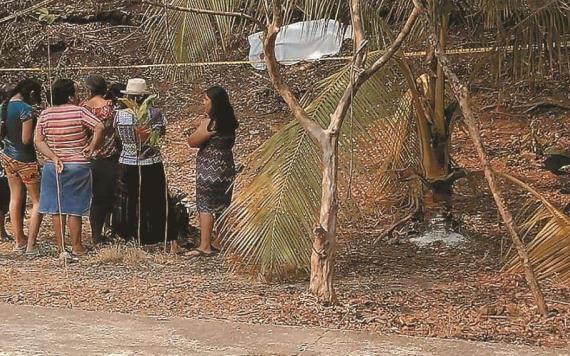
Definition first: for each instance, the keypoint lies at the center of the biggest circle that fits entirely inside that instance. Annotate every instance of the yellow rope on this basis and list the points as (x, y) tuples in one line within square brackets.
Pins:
[(221, 63)]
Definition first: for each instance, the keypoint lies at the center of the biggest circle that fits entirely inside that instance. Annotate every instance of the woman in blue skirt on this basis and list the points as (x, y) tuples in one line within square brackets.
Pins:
[(63, 136)]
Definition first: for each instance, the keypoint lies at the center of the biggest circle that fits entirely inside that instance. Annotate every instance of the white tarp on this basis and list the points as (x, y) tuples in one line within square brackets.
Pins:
[(301, 41)]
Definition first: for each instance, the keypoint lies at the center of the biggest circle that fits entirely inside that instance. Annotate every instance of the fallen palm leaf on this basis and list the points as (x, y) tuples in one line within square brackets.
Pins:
[(547, 230)]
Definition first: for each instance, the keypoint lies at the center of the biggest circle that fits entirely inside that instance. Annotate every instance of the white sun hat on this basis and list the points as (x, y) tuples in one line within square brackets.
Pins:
[(136, 86)]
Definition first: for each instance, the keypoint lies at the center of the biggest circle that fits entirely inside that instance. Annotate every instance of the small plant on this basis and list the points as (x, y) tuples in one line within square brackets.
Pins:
[(141, 112), (45, 16)]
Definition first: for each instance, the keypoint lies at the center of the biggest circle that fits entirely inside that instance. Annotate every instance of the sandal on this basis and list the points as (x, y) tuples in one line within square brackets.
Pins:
[(199, 253), (68, 257), (34, 252), (20, 249)]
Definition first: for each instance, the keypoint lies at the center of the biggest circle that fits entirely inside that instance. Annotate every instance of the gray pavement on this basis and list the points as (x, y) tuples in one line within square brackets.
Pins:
[(37, 331)]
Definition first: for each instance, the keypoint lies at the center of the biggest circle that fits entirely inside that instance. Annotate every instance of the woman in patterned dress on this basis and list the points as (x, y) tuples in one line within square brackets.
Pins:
[(215, 168)]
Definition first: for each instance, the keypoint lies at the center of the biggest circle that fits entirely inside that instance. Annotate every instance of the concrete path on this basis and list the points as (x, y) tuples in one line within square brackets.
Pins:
[(34, 331)]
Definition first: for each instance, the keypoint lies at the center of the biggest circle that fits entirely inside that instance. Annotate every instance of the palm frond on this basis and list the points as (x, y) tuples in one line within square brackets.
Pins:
[(178, 36), (268, 227), (547, 232), (537, 33)]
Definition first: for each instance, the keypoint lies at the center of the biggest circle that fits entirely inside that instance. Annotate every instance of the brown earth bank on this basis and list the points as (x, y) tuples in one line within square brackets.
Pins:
[(389, 287)]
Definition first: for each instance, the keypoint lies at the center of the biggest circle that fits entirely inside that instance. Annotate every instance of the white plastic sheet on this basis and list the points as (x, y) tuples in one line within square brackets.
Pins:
[(302, 41)]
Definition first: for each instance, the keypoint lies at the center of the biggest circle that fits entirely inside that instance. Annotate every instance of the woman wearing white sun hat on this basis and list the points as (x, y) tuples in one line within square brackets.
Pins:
[(142, 207)]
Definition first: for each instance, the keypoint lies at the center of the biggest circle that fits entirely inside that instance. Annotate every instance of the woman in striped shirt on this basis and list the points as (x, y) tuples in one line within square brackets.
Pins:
[(63, 136)]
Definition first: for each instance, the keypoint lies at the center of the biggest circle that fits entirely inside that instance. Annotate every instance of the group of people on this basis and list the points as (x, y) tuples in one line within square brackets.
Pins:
[(101, 160)]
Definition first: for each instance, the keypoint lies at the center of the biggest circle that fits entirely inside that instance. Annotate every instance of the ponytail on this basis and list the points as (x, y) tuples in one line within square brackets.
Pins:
[(4, 113)]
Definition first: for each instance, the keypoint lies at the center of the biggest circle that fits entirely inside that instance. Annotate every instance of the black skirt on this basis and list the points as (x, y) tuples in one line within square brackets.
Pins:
[(144, 209)]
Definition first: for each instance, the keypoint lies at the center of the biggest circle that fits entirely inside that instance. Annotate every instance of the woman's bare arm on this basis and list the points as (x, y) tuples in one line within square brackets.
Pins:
[(201, 135), (44, 149), (28, 132)]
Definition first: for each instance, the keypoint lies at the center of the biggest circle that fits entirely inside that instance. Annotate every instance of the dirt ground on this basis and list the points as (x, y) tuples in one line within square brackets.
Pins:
[(396, 288), (389, 287)]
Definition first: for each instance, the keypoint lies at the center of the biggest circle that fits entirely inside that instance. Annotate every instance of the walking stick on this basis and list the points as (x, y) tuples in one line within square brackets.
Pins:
[(64, 255), (166, 209)]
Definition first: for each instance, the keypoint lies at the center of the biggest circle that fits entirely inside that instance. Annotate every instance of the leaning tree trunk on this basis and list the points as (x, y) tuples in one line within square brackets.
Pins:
[(324, 244), (462, 94)]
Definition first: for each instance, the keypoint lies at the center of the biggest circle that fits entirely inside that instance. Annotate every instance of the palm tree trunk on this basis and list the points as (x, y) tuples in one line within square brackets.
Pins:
[(324, 244), (462, 94)]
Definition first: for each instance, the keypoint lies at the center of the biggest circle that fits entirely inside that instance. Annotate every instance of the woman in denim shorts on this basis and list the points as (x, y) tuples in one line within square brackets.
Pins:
[(20, 161)]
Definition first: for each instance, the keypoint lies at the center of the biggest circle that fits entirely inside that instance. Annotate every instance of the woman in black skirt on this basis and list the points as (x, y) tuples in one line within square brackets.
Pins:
[(142, 211), (215, 168)]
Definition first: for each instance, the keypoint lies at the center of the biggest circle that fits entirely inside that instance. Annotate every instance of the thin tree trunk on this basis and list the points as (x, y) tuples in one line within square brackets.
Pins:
[(462, 94), (324, 244)]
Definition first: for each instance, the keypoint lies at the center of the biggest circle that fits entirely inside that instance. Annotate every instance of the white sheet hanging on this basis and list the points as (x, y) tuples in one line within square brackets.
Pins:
[(302, 41)]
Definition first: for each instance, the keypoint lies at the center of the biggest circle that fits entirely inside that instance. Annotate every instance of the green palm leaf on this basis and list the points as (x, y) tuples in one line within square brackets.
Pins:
[(178, 36), (268, 227)]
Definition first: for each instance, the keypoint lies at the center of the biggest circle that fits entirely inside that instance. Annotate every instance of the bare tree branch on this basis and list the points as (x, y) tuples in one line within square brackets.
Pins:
[(394, 47), (203, 11), (362, 75), (312, 128)]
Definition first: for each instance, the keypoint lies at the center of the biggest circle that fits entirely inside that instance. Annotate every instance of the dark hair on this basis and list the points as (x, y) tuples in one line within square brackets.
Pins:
[(222, 113), (96, 85), (62, 90), (29, 89), (114, 91)]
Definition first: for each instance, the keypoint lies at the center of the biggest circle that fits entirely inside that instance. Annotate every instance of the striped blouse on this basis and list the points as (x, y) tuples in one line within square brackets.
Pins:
[(67, 130)]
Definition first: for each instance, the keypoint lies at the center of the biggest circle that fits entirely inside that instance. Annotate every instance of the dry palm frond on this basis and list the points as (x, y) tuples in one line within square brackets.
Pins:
[(538, 32), (268, 226), (547, 231), (178, 36), (131, 256)]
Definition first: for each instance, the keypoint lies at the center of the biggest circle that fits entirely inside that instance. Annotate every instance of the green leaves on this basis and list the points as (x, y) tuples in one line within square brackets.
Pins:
[(177, 36), (530, 34), (45, 16), (141, 113)]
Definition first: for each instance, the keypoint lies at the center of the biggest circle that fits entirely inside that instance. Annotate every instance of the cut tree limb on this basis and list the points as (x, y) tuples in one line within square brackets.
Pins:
[(462, 94)]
